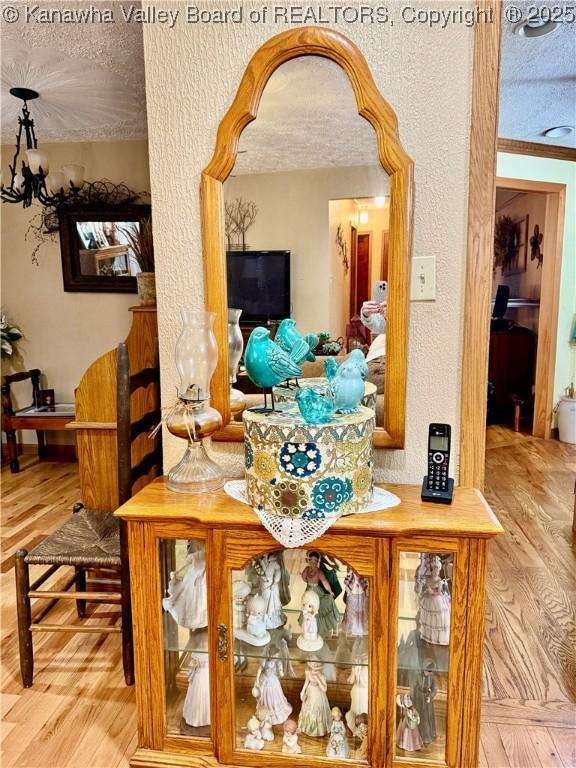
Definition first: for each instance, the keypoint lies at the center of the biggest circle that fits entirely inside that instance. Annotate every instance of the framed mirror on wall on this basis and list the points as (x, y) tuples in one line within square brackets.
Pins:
[(307, 214), (95, 245)]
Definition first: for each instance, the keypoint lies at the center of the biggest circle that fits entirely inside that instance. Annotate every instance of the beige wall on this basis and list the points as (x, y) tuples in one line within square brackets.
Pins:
[(64, 332), (192, 74), (293, 214)]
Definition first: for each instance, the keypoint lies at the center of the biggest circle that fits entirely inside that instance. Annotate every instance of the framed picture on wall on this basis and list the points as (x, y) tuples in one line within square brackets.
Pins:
[(518, 248), (95, 249)]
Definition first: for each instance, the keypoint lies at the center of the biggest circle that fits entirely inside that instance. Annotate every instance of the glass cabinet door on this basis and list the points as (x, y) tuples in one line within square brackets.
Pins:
[(301, 657), (185, 622), (425, 675)]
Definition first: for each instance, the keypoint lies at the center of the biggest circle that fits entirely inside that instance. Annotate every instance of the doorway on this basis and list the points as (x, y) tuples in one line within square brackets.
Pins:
[(529, 225), (360, 265)]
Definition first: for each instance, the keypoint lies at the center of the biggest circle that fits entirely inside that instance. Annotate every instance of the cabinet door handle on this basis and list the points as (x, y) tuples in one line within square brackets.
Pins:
[(222, 642)]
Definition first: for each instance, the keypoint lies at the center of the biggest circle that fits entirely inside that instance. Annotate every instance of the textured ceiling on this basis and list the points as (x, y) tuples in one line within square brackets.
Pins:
[(90, 77), (538, 84)]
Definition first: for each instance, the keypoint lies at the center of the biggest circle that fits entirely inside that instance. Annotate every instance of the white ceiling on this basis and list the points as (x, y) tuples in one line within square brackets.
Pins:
[(91, 83), (538, 84)]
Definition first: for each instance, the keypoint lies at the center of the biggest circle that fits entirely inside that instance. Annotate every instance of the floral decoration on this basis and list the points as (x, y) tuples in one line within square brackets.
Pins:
[(330, 493), (362, 480), (264, 465), (300, 459), (248, 455), (313, 514), (289, 498)]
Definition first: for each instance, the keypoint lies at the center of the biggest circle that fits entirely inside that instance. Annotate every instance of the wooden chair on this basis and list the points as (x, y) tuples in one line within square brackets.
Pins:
[(24, 419), (92, 540)]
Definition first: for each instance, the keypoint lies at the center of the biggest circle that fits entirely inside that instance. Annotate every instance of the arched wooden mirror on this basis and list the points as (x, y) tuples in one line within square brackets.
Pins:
[(311, 149)]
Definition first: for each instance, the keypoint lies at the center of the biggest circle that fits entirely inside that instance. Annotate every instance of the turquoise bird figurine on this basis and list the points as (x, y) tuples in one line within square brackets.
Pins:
[(291, 340), (357, 357), (267, 364), (347, 387), (331, 368), (314, 407)]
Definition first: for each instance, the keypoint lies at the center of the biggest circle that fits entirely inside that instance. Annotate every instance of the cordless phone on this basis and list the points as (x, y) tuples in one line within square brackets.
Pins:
[(437, 486)]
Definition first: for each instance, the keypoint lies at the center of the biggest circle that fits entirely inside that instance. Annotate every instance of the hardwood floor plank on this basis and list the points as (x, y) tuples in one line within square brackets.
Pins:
[(565, 743), (553, 714), (493, 747), (518, 747), (545, 748)]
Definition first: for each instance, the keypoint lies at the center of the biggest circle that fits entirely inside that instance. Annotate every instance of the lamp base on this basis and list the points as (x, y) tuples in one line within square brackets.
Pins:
[(196, 472)]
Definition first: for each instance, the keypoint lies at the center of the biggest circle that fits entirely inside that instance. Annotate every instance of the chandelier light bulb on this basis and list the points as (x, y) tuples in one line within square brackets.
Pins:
[(74, 175), (18, 182), (55, 182), (363, 217), (37, 159), (380, 201)]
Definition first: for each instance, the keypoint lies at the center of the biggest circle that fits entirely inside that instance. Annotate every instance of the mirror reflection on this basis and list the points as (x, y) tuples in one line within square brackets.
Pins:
[(307, 223), (105, 248)]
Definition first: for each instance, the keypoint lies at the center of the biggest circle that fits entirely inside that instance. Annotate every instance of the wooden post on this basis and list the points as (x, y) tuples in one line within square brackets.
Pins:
[(24, 612)]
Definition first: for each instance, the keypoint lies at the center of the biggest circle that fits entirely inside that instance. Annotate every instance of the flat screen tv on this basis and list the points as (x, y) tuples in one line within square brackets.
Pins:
[(259, 284)]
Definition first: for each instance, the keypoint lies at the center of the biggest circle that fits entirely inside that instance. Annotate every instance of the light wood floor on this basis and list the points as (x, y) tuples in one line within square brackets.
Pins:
[(79, 713)]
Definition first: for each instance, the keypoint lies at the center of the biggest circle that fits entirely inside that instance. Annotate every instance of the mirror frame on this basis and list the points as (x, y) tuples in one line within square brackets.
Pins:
[(313, 41)]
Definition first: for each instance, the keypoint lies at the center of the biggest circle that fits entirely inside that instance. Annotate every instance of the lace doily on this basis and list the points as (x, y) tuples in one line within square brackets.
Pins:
[(295, 532)]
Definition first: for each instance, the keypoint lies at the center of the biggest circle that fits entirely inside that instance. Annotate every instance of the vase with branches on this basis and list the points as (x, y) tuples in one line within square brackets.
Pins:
[(141, 242), (239, 216)]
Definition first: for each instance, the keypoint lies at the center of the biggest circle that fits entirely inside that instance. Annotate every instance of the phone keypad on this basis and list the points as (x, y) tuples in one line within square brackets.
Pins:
[(437, 471)]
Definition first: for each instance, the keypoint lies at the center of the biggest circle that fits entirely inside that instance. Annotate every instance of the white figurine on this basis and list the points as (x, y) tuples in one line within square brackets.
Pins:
[(196, 711), (358, 694), (315, 715), (255, 632), (434, 613), (407, 734), (290, 744), (269, 576), (266, 729), (254, 738), (310, 640), (361, 727), (187, 591), (338, 743), (240, 591), (355, 621), (267, 689)]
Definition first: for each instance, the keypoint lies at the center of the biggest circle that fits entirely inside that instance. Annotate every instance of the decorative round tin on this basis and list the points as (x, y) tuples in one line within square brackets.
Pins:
[(319, 385), (298, 470)]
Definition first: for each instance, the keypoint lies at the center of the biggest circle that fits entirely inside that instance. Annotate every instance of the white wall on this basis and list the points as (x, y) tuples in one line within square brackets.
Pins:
[(293, 214), (64, 332), (192, 74), (558, 172)]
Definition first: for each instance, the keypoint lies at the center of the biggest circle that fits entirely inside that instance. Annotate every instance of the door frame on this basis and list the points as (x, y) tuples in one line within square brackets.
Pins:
[(368, 234), (549, 297)]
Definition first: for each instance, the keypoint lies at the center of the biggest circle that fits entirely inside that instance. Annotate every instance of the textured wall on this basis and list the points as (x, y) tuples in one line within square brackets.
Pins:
[(192, 72)]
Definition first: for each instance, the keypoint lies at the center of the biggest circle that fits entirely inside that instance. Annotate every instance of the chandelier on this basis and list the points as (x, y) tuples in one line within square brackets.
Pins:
[(32, 181)]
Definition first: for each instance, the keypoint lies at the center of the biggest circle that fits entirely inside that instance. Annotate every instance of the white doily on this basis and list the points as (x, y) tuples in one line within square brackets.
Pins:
[(295, 532)]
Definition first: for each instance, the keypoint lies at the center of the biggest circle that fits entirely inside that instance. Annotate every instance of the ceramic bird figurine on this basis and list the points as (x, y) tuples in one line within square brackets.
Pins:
[(331, 368), (315, 408), (357, 357), (291, 340), (347, 387), (267, 364)]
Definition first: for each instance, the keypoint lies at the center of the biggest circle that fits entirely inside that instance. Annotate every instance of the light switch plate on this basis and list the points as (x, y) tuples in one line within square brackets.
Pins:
[(423, 281)]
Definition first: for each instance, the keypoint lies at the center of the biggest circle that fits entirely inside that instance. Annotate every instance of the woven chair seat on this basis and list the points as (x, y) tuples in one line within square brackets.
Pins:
[(88, 538)]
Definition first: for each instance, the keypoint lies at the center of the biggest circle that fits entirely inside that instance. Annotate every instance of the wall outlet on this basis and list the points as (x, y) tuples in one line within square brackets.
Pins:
[(423, 280)]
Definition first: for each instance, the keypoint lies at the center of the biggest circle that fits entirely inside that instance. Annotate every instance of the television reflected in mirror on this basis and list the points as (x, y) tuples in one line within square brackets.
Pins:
[(96, 250)]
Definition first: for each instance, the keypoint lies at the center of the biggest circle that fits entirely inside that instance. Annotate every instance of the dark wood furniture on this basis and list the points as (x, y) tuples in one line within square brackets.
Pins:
[(511, 369), (92, 540), (12, 421)]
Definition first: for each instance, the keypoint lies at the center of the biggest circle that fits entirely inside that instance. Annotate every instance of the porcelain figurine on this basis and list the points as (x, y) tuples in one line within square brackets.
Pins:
[(355, 621), (358, 679), (267, 364), (263, 717), (423, 692), (347, 387), (331, 368), (338, 743), (269, 576), (315, 407), (290, 744), (187, 591), (255, 632), (254, 738), (240, 592), (315, 716), (434, 611), (361, 730), (357, 358), (316, 579), (407, 733), (196, 710), (254, 569), (287, 666), (267, 689), (309, 640), (288, 337)]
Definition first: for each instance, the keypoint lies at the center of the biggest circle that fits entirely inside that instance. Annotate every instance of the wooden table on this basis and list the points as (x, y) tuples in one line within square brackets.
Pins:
[(41, 419)]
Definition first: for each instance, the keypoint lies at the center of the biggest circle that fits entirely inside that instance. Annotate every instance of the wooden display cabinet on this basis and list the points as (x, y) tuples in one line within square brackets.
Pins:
[(393, 550)]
